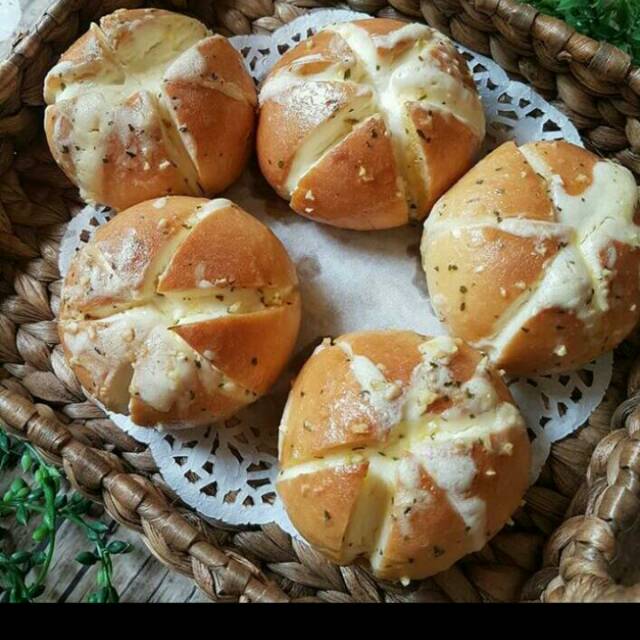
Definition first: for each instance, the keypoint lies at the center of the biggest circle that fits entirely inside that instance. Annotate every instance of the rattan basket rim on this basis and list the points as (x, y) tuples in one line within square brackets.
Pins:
[(588, 498)]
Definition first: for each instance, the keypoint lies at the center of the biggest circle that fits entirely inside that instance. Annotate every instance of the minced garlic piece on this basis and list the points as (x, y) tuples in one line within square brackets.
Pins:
[(360, 427)]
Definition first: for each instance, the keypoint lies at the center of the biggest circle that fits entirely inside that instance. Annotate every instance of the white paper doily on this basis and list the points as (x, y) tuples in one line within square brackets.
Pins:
[(349, 281)]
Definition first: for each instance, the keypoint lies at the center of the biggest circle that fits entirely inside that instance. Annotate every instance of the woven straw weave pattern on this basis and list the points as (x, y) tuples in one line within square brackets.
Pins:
[(576, 519)]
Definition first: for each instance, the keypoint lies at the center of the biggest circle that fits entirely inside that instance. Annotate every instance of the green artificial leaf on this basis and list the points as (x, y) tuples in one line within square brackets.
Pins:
[(22, 515), (36, 590), (118, 546), (17, 485), (26, 461), (103, 578), (39, 494), (87, 558), (20, 557), (40, 533), (98, 526)]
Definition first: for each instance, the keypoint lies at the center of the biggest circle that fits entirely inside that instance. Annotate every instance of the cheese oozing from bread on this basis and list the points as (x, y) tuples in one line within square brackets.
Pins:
[(422, 447), (136, 105), (180, 311), (579, 259), (410, 78)]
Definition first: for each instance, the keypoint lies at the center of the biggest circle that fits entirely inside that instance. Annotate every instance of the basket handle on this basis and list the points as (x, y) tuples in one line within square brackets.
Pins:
[(132, 500)]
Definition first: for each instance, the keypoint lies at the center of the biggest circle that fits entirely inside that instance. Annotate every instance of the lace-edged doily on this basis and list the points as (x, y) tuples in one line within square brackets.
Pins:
[(227, 471)]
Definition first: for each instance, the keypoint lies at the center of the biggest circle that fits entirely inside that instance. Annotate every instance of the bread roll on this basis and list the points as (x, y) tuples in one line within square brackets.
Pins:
[(179, 310), (366, 124), (534, 257), (148, 104), (402, 449)]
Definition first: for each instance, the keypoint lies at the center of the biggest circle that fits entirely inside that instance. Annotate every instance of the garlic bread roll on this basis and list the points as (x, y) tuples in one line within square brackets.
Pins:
[(534, 256), (179, 311), (401, 449), (366, 124), (148, 103)]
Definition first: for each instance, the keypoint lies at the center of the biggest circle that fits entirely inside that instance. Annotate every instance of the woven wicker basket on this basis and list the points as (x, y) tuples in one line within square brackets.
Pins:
[(574, 538)]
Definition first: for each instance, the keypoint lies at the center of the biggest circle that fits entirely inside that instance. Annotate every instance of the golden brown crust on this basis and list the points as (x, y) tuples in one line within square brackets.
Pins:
[(441, 540), (452, 62), (495, 253), (139, 138), (381, 27), (355, 185), (206, 406), (325, 393), (502, 475), (385, 177), (533, 352), (221, 144), (328, 409), (146, 217), (572, 164), (529, 354), (238, 347), (510, 188), (169, 350), (470, 299), (398, 356), (126, 120), (323, 49), (287, 121), (449, 147), (134, 262), (377, 27), (321, 505), (246, 254), (393, 494), (500, 482), (624, 295)]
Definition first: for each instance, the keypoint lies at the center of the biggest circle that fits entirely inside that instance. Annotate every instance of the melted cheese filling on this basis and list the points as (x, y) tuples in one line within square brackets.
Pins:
[(411, 77), (130, 345), (577, 279), (92, 97), (325, 137), (416, 441)]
